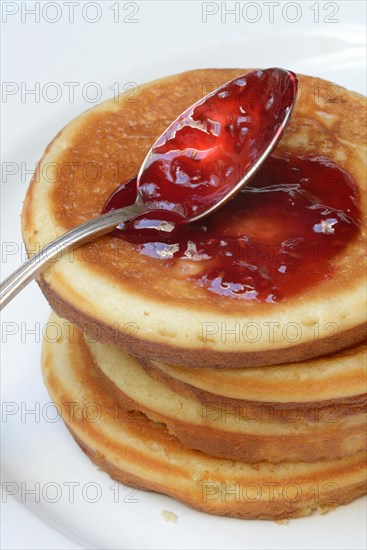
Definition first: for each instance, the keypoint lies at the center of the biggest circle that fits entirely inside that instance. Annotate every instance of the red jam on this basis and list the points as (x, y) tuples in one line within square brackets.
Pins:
[(274, 239), (208, 149)]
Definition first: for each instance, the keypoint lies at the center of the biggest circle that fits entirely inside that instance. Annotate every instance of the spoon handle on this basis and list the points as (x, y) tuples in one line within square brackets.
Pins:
[(80, 235)]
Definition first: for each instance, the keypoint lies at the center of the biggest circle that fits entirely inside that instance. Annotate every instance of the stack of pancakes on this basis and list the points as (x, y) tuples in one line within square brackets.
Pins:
[(172, 389)]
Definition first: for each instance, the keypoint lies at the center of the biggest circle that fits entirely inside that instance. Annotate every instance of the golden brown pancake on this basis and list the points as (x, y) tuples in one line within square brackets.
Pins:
[(335, 377), (248, 430), (142, 453), (148, 306)]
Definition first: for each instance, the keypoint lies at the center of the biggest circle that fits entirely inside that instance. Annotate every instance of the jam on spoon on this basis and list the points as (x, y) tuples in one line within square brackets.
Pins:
[(212, 149), (205, 153)]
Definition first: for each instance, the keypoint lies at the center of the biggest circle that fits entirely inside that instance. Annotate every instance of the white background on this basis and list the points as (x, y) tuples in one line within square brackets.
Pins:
[(46, 52)]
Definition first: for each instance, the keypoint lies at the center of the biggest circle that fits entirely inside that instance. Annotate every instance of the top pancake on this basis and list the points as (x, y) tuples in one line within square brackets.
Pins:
[(146, 305)]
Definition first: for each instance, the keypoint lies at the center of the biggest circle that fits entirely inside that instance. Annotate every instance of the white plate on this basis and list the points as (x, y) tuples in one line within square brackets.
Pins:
[(169, 37)]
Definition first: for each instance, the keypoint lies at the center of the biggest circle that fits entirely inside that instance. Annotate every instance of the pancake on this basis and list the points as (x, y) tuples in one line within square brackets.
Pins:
[(139, 452), (240, 429), (336, 377), (150, 307)]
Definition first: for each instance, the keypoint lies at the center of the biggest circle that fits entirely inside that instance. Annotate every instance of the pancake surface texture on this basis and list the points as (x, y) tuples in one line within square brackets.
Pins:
[(142, 453), (148, 306)]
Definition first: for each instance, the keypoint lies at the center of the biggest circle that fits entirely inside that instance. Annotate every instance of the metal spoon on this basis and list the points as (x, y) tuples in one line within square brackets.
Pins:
[(107, 222)]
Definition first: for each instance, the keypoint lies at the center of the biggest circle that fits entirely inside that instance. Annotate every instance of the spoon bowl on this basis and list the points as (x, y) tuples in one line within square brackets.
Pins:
[(216, 146)]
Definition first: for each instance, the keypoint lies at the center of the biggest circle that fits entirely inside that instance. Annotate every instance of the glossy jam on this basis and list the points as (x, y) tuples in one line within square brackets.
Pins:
[(274, 239), (209, 148)]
